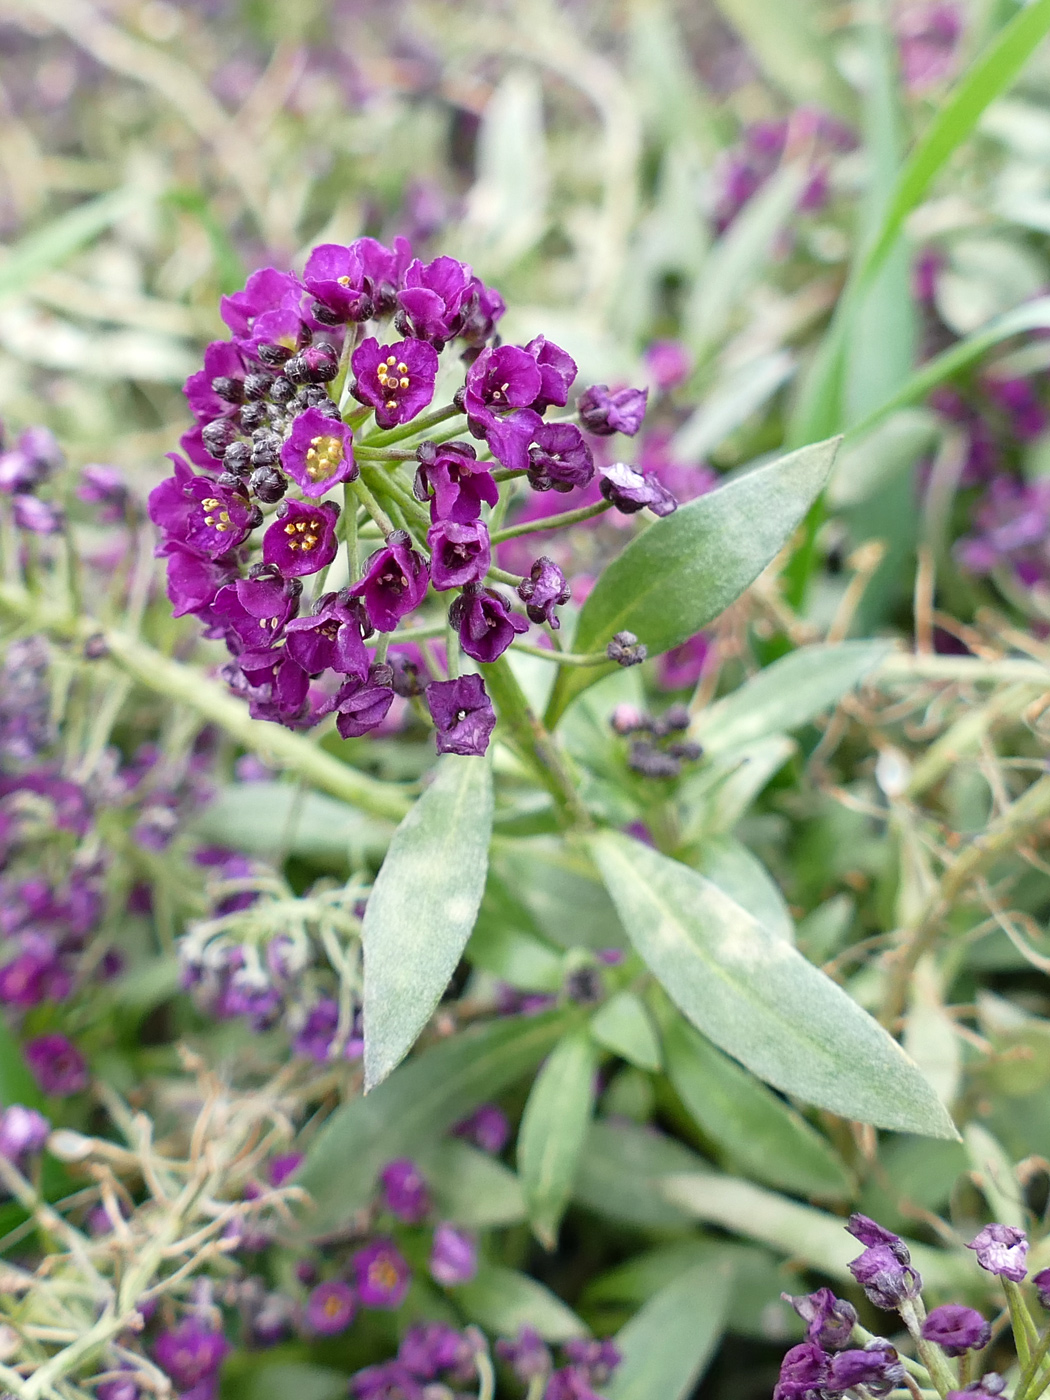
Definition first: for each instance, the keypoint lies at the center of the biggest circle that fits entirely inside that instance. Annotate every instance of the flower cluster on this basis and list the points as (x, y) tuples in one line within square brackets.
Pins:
[(430, 1353), (660, 748), (25, 467), (763, 146), (282, 410), (588, 1365)]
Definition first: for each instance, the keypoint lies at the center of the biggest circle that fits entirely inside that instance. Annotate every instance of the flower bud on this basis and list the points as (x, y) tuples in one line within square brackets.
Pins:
[(626, 650), (956, 1329), (273, 354), (257, 386), (268, 484), (1002, 1250), (232, 390)]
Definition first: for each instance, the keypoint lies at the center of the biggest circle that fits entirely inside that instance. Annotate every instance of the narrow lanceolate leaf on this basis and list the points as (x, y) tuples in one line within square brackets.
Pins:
[(761, 1134), (758, 998), (623, 1026), (51, 245), (504, 1301), (416, 1107), (422, 908), (668, 1343), (677, 575), (553, 1128)]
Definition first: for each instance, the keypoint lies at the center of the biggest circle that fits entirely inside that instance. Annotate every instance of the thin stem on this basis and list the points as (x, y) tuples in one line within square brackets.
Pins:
[(350, 518), (382, 454), (383, 436), (502, 576), (486, 1376), (564, 658), (1031, 1371), (537, 1386), (932, 1357), (552, 522), (1024, 1330), (373, 507), (452, 651)]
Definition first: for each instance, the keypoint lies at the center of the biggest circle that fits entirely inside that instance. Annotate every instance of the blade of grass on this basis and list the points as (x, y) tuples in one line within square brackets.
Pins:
[(50, 246)]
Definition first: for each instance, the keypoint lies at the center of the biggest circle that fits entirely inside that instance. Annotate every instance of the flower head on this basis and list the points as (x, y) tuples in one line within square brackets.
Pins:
[(436, 300), (361, 705), (453, 1256), (631, 490), (454, 481), (190, 1353), (485, 622), (302, 538), (829, 1320), (543, 590), (220, 518), (318, 453), (405, 1191), (462, 713), (58, 1066), (527, 1355), (394, 583), (876, 1367), (1002, 1250), (803, 1372), (396, 380), (603, 412), (459, 553), (382, 1274), (956, 1329), (359, 281), (430, 1348), (330, 1308)]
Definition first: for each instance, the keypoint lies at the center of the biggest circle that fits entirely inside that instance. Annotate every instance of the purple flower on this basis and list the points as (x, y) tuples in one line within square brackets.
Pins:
[(630, 490), (391, 1381), (315, 1038), (58, 1066), (123, 1388), (487, 1127), (26, 980), (1019, 399), (928, 35), (501, 386), (462, 713), (104, 487), (1042, 1286), (331, 638), (257, 608), (220, 519), (559, 458), (30, 462), (430, 1348), (436, 300), (956, 1329), (877, 1367), (485, 622), (1002, 1250), (394, 583), (396, 380), (193, 581), (359, 281), (459, 553), (23, 1132), (302, 538), (362, 705), (382, 1274), (318, 453), (598, 1356), (527, 1356), (1013, 525), (454, 481), (869, 1232), (668, 362), (191, 1353), (557, 372), (453, 1257), (223, 363), (829, 1320), (884, 1278), (405, 1191), (330, 1308), (36, 516), (274, 685), (989, 1387), (803, 1372), (543, 590), (266, 291), (283, 1166), (603, 412)]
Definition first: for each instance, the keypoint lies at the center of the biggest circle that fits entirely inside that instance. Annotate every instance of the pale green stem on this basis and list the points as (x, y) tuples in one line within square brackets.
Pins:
[(486, 1376), (380, 454), (502, 576), (1025, 1334), (384, 436), (932, 1357), (373, 507), (537, 1386), (1031, 1383), (350, 526), (552, 522), (452, 651), (564, 658)]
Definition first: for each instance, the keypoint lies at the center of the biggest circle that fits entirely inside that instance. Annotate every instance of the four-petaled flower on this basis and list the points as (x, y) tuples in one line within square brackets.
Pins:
[(382, 1274), (396, 380), (485, 622), (302, 538), (464, 719), (394, 583), (459, 553), (318, 453)]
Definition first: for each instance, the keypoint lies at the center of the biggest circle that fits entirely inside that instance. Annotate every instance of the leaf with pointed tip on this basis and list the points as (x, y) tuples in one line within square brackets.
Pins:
[(623, 1026), (678, 574), (504, 1301), (758, 998), (422, 908), (668, 1343), (553, 1128)]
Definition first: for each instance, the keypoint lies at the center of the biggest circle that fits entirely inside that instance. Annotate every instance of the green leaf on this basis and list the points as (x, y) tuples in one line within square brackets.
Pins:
[(471, 1188), (504, 1301), (678, 574), (667, 1344), (621, 1170), (17, 1084), (789, 693), (280, 819), (739, 873), (51, 245), (422, 908), (789, 41), (758, 999), (305, 1382), (553, 1129), (623, 1026), (764, 1137), (431, 1093), (994, 1174)]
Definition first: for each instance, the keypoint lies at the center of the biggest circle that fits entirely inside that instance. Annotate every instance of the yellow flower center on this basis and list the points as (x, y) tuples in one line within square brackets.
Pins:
[(304, 534), (323, 457), (383, 1274), (392, 375), (222, 521)]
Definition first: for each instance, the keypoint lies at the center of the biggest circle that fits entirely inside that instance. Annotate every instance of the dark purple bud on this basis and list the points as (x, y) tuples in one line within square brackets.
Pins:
[(652, 762), (803, 1373), (956, 1329), (58, 1066), (605, 413), (453, 1256), (487, 1127), (405, 1191), (543, 591), (559, 458), (829, 1320), (885, 1280), (330, 1308), (1002, 1250), (237, 459), (485, 622), (230, 390), (989, 1387), (314, 364), (268, 485), (630, 490), (674, 720), (584, 986), (258, 385), (1042, 1286), (282, 390), (217, 436), (527, 1356), (626, 650), (253, 417), (868, 1232), (877, 1367), (273, 354), (462, 713), (191, 1353)]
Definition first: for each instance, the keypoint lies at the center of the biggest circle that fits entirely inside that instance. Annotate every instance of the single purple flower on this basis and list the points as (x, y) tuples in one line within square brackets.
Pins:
[(487, 1127), (459, 553), (357, 282), (803, 1372), (405, 1191), (302, 538), (222, 362), (485, 622), (630, 490), (462, 713), (220, 518), (436, 300), (36, 516), (885, 1280), (257, 608), (501, 386), (829, 1320), (396, 380), (318, 453), (331, 638), (489, 306), (527, 1355), (106, 488), (330, 1308), (58, 1066), (668, 362), (453, 1257), (603, 412), (274, 685), (990, 1386), (956, 1329), (454, 481), (598, 1356), (928, 34), (23, 1132), (283, 1166), (559, 458), (1002, 1250), (543, 591), (191, 1353), (876, 1367), (362, 705), (382, 1274), (30, 462), (1042, 1286), (557, 371), (193, 581), (394, 583), (266, 290), (26, 980)]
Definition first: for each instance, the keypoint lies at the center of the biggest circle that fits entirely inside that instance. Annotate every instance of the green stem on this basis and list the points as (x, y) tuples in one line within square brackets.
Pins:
[(932, 1357), (1031, 1371), (383, 436), (380, 454), (564, 658), (452, 651), (373, 507), (1024, 1329), (501, 576), (486, 1376), (552, 522), (350, 519)]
